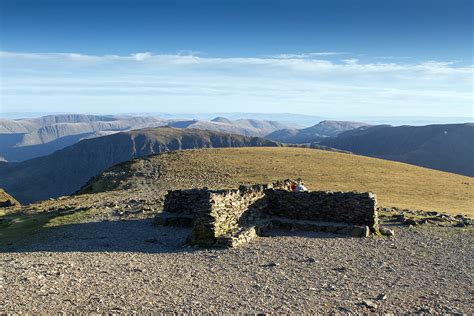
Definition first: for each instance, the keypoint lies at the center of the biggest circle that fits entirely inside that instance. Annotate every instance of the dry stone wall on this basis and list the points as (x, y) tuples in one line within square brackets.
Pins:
[(231, 217), (341, 207), (228, 211)]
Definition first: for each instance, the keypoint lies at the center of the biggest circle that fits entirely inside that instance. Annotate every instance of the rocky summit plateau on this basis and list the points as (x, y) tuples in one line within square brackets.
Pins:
[(102, 250), (237, 157)]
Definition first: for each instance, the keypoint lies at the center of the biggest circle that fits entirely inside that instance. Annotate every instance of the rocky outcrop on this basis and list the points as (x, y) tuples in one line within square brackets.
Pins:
[(6, 200), (232, 217)]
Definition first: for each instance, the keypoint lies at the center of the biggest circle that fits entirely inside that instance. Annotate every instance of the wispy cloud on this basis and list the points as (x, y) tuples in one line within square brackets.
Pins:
[(306, 55), (190, 82)]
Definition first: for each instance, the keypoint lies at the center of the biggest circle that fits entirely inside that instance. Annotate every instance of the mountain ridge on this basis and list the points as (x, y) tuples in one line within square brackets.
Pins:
[(247, 127), (25, 139), (446, 147), (66, 170), (312, 134)]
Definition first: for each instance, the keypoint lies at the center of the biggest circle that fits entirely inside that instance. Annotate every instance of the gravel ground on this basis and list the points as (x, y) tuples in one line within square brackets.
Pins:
[(126, 266)]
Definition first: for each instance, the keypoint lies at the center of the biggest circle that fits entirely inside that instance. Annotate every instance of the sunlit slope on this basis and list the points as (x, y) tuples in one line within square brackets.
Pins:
[(396, 184)]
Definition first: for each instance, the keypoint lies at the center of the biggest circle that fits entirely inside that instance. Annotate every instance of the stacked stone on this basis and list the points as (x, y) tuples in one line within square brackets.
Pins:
[(230, 211), (236, 208), (181, 206), (232, 217), (186, 202), (344, 207)]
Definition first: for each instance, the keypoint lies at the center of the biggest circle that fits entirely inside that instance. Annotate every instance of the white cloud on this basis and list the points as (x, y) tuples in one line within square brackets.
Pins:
[(306, 55), (142, 56), (188, 82)]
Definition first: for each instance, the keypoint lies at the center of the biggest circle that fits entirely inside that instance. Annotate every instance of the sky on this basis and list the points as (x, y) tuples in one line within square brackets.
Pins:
[(327, 58)]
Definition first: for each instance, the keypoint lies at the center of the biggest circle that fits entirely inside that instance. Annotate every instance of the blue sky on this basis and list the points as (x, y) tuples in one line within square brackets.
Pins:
[(329, 58)]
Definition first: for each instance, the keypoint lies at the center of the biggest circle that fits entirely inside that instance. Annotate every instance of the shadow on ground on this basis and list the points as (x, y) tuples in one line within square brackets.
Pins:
[(137, 235)]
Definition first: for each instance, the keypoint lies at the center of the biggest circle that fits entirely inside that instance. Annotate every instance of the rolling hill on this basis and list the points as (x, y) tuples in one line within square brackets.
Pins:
[(314, 133), (448, 147), (66, 170), (396, 184)]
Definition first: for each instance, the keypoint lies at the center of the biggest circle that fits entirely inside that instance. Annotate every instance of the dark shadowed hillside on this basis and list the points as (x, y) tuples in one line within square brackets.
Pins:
[(66, 170), (314, 133), (443, 147)]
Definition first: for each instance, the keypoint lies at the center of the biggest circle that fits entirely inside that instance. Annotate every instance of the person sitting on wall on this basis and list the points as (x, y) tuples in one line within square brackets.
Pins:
[(293, 187), (300, 186)]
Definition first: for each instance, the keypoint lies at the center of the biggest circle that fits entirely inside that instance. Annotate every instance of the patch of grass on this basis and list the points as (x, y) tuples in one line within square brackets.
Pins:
[(19, 226), (70, 218)]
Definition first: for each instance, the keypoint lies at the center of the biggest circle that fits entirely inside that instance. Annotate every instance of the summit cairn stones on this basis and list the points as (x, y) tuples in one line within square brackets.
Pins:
[(236, 216)]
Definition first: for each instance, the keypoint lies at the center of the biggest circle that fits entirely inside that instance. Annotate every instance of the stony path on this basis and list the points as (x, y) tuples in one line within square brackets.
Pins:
[(134, 266)]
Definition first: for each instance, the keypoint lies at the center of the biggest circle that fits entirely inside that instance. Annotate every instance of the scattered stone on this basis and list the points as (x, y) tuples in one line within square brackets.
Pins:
[(181, 277), (369, 304), (345, 310), (423, 310), (387, 232), (400, 218), (382, 297), (331, 287), (410, 222)]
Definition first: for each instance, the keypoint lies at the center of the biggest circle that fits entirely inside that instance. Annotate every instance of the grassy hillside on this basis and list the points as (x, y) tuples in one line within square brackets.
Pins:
[(65, 171), (396, 184)]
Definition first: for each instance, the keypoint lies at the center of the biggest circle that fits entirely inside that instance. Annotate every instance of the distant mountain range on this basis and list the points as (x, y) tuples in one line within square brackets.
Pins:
[(246, 127), (71, 149), (448, 147), (290, 119), (25, 139), (314, 133), (29, 138), (66, 170)]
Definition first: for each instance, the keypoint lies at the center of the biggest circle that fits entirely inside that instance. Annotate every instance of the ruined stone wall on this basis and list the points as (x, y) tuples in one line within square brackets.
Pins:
[(343, 207), (221, 216), (229, 210), (187, 202), (214, 213)]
